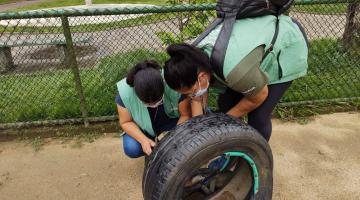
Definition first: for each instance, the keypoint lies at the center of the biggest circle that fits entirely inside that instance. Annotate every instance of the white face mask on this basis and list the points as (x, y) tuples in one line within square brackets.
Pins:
[(200, 92), (155, 104)]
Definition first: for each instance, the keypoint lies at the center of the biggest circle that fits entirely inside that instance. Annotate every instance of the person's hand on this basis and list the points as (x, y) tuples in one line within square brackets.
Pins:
[(197, 99), (146, 145)]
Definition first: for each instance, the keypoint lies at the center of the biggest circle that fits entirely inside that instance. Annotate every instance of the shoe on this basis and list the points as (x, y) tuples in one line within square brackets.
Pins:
[(218, 163)]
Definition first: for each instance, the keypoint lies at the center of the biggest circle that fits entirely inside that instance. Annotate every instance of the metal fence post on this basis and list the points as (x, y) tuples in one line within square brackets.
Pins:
[(351, 27), (6, 60), (71, 58)]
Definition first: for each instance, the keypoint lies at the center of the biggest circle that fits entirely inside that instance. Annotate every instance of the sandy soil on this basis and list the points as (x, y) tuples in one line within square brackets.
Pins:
[(319, 160)]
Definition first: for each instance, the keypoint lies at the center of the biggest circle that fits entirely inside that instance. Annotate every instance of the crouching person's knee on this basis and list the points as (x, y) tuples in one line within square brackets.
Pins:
[(132, 148)]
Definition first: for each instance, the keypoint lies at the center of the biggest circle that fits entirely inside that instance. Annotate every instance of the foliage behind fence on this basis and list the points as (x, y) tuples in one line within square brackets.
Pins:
[(62, 64)]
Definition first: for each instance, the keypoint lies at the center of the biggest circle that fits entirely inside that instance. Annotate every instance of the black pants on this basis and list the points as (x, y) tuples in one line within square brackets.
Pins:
[(260, 118)]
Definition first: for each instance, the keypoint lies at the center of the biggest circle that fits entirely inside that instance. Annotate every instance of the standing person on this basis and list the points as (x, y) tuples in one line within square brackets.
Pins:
[(253, 85), (146, 107)]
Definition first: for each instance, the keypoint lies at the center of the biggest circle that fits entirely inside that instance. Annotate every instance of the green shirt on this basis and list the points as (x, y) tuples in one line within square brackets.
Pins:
[(138, 110), (286, 62)]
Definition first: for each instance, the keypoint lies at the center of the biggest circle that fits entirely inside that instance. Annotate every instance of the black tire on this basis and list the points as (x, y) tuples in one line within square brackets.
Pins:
[(192, 143)]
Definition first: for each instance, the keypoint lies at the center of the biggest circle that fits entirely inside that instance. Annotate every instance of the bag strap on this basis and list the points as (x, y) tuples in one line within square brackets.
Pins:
[(208, 30), (285, 7), (219, 50), (271, 48)]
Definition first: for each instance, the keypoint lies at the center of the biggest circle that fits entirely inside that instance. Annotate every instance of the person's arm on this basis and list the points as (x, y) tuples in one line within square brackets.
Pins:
[(247, 104), (184, 110), (132, 129), (247, 78), (198, 104)]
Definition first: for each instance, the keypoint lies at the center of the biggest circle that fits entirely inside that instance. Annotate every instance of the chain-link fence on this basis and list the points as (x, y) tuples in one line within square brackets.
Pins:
[(64, 64)]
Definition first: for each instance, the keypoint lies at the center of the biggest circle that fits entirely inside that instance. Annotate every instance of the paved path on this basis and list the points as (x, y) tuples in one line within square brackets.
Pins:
[(11, 6), (321, 26), (80, 20)]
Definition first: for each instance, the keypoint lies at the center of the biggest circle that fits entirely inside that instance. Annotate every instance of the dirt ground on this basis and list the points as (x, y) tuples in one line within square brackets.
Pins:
[(318, 160)]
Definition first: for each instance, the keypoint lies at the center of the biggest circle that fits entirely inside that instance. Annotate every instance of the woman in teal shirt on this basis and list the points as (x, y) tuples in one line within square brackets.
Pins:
[(252, 85), (147, 107)]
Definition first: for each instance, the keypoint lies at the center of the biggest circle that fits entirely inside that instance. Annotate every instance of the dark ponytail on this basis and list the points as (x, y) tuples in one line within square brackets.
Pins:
[(185, 62), (147, 81)]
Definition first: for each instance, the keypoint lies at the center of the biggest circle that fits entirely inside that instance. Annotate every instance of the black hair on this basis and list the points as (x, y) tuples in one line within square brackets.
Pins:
[(184, 65), (146, 79)]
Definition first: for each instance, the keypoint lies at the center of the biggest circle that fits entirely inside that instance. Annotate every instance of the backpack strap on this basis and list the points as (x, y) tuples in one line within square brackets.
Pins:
[(208, 30), (219, 50), (230, 10), (270, 49), (285, 5)]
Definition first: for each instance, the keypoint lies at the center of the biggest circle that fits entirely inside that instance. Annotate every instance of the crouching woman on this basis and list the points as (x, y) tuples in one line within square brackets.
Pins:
[(146, 107)]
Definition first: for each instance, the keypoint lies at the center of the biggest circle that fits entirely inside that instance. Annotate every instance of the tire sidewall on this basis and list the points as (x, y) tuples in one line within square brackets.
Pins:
[(263, 165)]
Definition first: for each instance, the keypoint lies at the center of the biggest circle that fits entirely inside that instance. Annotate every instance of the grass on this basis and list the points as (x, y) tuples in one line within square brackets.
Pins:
[(327, 9), (339, 8), (9, 1), (333, 73), (141, 20), (74, 140), (36, 143), (51, 95), (79, 141), (305, 113), (74, 133), (70, 135), (63, 3)]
